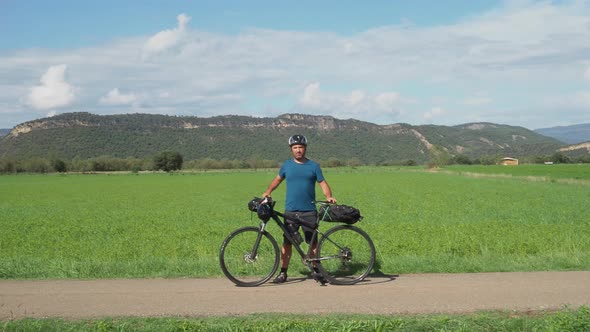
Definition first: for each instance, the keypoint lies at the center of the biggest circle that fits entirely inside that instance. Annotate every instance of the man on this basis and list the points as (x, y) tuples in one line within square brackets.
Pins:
[(301, 175)]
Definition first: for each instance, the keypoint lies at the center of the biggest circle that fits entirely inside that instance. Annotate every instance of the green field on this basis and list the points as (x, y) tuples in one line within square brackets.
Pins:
[(161, 225), (539, 172)]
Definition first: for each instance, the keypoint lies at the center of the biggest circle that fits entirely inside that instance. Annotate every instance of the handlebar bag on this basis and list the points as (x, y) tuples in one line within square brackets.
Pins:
[(340, 213)]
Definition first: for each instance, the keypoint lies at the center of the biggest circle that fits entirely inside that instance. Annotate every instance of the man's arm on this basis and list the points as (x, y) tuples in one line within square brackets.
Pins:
[(327, 191), (273, 185)]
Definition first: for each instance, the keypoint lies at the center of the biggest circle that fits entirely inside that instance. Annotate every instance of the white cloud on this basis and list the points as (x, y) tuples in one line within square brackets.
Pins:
[(386, 74), (51, 114), (356, 97), (114, 97), (357, 104), (311, 96), (167, 39), (54, 91), (434, 113), (386, 101)]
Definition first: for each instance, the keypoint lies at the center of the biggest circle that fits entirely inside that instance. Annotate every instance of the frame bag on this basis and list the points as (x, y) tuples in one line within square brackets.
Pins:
[(340, 213)]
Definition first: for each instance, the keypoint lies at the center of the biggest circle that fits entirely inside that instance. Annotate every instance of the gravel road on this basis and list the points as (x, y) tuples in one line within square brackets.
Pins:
[(403, 294)]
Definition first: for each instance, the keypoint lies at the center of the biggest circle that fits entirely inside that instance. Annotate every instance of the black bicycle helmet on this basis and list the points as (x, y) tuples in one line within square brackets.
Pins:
[(264, 211), (253, 204), (297, 139)]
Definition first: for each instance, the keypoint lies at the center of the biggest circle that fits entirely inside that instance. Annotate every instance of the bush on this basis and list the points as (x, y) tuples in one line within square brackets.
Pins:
[(36, 165), (7, 166), (334, 162), (560, 158), (59, 165), (461, 159), (168, 161)]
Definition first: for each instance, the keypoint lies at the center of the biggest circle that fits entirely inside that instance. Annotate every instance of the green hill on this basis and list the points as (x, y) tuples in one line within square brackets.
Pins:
[(86, 135)]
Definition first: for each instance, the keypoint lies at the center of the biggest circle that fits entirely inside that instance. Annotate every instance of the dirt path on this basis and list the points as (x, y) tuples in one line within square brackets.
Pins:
[(418, 293)]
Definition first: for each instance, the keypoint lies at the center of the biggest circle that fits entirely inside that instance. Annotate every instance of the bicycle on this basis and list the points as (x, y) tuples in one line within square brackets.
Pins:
[(249, 256)]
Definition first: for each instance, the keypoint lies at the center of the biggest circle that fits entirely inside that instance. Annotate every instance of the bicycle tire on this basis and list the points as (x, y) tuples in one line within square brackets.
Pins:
[(236, 261), (347, 255)]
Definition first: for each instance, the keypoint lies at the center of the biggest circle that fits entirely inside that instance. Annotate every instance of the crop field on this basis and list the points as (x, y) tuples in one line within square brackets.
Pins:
[(161, 225), (569, 172)]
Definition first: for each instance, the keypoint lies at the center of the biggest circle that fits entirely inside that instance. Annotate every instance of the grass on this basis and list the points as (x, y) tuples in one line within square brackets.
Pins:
[(544, 172), (564, 320), (160, 225)]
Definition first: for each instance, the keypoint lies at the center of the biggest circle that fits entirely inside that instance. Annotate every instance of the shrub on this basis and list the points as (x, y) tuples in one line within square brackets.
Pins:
[(168, 161), (59, 165)]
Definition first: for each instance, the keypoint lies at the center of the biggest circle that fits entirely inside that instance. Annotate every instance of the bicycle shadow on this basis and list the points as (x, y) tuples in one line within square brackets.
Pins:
[(374, 278), (378, 274), (290, 281), (378, 278)]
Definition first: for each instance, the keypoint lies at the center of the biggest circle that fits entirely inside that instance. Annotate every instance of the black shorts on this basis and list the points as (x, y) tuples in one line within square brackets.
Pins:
[(308, 220)]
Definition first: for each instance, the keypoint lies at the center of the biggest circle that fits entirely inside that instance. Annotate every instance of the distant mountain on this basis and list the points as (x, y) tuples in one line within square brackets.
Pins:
[(568, 134), (86, 135), (4, 132)]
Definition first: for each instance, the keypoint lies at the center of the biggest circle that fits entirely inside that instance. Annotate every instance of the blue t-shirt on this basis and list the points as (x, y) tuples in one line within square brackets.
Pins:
[(301, 179)]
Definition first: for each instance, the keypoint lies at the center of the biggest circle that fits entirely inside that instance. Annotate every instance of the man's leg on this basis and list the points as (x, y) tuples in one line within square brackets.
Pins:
[(316, 274), (286, 251)]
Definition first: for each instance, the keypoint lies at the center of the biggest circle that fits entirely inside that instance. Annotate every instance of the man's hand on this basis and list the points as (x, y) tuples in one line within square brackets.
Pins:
[(331, 200)]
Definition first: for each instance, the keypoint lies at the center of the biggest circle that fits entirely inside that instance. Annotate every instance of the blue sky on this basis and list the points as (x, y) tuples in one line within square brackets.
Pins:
[(517, 62)]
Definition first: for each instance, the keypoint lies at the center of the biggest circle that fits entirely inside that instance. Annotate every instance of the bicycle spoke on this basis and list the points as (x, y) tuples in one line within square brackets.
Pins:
[(240, 265), (347, 255)]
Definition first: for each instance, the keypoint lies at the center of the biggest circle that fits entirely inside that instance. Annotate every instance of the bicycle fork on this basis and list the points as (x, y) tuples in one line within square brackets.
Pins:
[(252, 256)]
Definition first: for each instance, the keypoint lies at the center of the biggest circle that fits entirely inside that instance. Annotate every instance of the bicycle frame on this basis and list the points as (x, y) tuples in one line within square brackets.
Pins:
[(306, 257)]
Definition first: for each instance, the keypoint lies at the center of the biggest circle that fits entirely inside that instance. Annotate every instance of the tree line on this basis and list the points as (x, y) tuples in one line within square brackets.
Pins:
[(169, 161)]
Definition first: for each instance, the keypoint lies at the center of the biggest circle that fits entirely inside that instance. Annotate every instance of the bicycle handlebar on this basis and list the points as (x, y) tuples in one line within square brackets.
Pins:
[(323, 202), (268, 199)]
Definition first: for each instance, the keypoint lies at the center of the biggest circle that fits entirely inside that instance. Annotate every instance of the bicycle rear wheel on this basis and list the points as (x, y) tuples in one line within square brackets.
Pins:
[(347, 255), (240, 264)]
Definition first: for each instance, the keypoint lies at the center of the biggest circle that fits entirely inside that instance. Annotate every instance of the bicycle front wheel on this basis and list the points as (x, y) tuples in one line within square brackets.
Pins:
[(249, 257), (346, 254)]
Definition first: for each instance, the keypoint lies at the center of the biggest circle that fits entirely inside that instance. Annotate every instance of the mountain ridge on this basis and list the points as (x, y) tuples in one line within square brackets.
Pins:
[(85, 135), (574, 134)]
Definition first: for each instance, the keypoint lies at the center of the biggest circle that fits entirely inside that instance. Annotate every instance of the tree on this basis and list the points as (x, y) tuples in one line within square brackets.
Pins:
[(334, 162), (461, 159), (7, 166), (560, 158), (168, 161), (354, 162), (59, 165)]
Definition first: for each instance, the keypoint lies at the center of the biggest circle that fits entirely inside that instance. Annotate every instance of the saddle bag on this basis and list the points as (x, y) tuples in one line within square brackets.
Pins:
[(340, 213)]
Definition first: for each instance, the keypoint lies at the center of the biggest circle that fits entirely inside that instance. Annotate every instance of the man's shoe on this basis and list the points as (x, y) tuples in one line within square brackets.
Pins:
[(281, 278)]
